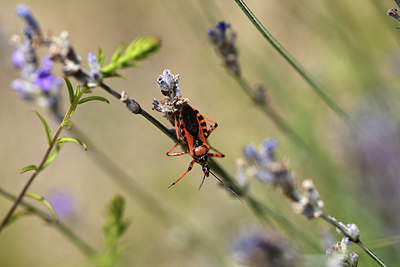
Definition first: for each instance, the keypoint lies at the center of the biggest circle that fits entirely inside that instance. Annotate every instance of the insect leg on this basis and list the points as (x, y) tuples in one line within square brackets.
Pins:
[(209, 122), (188, 170), (202, 181), (177, 153), (216, 155)]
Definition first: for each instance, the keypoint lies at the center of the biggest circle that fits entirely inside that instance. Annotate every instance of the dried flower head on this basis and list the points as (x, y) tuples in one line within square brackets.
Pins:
[(173, 100), (310, 204), (261, 164)]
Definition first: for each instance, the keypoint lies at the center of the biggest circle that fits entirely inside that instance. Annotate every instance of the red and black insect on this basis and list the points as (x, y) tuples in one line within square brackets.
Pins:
[(193, 128)]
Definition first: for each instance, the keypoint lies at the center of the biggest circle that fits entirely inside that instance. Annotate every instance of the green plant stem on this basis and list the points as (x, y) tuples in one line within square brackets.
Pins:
[(79, 243), (41, 165), (398, 3), (272, 114), (296, 65), (256, 206), (121, 177), (343, 230)]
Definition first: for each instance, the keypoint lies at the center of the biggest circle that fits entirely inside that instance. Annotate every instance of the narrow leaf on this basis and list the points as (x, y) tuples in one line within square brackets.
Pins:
[(46, 127), (100, 57), (71, 140), (30, 168), (16, 216), (52, 156), (143, 47), (77, 91), (70, 90), (67, 123), (44, 202), (117, 53), (86, 90), (92, 98)]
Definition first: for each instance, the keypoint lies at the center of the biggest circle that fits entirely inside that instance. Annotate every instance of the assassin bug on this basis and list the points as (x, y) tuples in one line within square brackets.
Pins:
[(193, 128)]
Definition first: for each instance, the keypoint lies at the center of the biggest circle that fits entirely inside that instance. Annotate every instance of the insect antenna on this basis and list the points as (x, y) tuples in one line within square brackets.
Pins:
[(226, 186), (202, 181)]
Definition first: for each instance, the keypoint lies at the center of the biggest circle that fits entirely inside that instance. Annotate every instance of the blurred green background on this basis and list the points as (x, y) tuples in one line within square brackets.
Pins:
[(351, 47)]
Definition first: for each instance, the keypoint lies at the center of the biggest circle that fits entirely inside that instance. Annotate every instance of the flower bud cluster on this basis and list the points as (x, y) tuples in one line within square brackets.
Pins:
[(173, 100), (261, 164), (339, 254), (257, 247), (37, 83), (224, 40)]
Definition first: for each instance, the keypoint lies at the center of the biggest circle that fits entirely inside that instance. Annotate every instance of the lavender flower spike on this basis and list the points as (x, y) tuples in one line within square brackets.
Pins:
[(95, 70), (32, 26), (168, 83), (224, 41), (45, 79)]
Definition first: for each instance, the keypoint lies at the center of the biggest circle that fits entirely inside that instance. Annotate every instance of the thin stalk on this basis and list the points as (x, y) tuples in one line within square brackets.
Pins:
[(78, 242), (272, 114), (343, 230), (41, 165), (256, 206), (125, 181), (397, 2), (297, 66)]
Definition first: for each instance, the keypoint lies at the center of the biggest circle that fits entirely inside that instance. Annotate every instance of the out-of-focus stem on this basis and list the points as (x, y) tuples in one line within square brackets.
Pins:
[(296, 65), (272, 114), (78, 242), (368, 251), (41, 165)]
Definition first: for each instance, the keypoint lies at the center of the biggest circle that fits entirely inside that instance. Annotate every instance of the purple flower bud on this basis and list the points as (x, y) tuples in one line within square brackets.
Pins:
[(95, 71), (222, 26), (271, 144), (268, 147), (211, 34), (250, 152), (47, 63), (18, 58), (31, 22), (44, 78), (23, 88), (62, 203)]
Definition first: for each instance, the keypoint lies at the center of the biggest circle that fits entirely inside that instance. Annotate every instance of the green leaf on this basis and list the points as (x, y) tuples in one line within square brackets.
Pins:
[(142, 47), (86, 90), (67, 123), (70, 90), (71, 140), (30, 168), (16, 216), (77, 90), (100, 57), (138, 49), (52, 156), (44, 202), (72, 112), (117, 53), (92, 98), (46, 127)]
